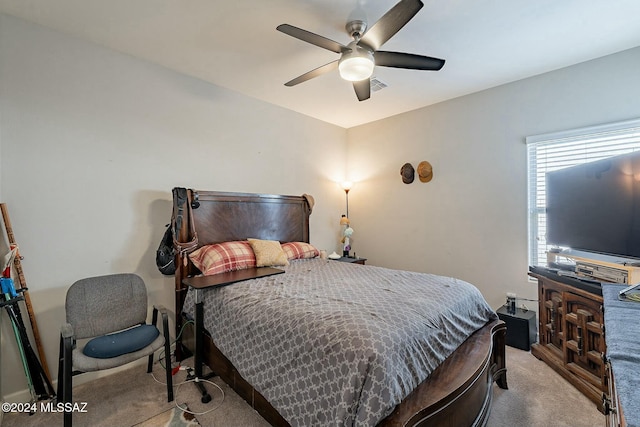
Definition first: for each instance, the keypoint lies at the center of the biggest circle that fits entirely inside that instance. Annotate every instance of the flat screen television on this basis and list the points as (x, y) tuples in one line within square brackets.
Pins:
[(595, 206)]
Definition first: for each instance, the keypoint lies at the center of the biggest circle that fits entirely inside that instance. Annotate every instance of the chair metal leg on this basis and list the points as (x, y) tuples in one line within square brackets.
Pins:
[(167, 349), (60, 369), (67, 381), (167, 352), (150, 364), (154, 321)]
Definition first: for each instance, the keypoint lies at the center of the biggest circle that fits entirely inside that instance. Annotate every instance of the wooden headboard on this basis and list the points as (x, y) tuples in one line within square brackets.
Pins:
[(221, 217)]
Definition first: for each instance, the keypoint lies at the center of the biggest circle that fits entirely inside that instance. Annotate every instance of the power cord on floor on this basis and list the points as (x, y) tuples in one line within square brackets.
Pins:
[(161, 355), (192, 379), (180, 368), (190, 373)]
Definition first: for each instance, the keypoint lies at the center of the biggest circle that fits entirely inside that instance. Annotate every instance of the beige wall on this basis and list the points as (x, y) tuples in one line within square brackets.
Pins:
[(93, 141), (470, 221)]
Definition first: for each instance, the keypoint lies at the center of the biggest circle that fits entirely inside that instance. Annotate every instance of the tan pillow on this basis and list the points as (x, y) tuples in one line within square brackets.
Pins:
[(268, 252)]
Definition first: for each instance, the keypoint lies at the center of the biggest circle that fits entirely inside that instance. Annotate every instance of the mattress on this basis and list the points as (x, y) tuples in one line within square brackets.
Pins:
[(340, 344)]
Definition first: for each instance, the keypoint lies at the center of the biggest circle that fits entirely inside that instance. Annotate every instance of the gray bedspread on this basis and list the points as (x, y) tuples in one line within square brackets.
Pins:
[(623, 349), (337, 344)]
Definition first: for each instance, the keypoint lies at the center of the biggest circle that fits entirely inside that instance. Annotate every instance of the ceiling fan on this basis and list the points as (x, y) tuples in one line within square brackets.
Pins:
[(358, 58)]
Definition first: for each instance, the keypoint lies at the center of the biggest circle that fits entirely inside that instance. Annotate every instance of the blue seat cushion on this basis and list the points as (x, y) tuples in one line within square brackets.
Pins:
[(128, 341)]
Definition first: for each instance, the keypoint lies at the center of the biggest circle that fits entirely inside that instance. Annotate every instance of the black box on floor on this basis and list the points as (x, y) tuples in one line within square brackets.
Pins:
[(521, 327)]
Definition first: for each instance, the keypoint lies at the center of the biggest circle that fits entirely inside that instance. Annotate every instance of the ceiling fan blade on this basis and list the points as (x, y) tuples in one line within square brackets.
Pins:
[(313, 73), (312, 38), (363, 89), (390, 23), (407, 60)]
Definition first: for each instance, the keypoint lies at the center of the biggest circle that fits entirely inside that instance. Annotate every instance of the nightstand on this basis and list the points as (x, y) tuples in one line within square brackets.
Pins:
[(351, 260), (521, 327)]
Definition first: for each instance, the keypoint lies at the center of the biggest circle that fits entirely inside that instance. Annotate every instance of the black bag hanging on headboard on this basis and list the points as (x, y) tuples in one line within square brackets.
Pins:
[(166, 253), (169, 245)]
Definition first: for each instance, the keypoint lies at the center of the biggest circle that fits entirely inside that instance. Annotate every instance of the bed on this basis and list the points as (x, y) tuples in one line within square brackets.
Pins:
[(296, 371)]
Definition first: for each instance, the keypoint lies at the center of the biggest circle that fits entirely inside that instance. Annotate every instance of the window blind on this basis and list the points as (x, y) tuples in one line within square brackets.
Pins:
[(553, 151)]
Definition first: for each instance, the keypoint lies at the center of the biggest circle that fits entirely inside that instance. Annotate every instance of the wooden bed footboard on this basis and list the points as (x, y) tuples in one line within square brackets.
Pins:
[(457, 394)]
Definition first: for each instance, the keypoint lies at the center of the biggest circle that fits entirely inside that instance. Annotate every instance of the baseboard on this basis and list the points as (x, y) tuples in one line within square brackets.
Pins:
[(23, 396)]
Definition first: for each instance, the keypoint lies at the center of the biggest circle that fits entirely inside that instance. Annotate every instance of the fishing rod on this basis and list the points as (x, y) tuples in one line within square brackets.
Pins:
[(37, 381), (8, 305)]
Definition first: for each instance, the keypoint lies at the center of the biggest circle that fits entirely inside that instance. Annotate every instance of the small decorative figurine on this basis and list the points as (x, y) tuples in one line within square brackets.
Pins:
[(346, 240)]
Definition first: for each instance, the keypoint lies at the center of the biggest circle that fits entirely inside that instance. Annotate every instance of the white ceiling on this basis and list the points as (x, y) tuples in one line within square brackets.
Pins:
[(234, 44)]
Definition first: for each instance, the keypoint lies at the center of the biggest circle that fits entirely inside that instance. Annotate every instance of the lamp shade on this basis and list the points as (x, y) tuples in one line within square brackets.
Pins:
[(357, 64)]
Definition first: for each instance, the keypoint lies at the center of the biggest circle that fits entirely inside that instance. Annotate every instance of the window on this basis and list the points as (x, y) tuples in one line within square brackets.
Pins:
[(553, 151)]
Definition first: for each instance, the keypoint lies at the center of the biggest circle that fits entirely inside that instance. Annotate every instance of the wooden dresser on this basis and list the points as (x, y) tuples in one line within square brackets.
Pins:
[(572, 334)]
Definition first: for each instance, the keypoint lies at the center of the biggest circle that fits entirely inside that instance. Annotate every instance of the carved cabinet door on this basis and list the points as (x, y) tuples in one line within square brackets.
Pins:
[(584, 345), (551, 317)]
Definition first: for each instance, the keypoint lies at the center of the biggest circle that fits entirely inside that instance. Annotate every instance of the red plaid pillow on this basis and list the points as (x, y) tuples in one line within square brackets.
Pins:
[(223, 257), (299, 250)]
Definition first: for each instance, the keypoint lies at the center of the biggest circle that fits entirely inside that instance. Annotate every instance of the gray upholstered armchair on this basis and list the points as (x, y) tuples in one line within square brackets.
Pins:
[(111, 312)]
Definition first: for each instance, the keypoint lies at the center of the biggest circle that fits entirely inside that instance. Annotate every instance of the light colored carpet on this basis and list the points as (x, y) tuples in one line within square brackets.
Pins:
[(174, 417), (537, 397)]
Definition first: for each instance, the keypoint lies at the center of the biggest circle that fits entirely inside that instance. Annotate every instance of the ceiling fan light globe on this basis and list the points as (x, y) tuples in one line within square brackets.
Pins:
[(356, 67)]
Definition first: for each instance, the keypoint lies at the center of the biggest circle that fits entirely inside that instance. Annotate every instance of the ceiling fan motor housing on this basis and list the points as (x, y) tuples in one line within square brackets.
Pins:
[(356, 29)]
